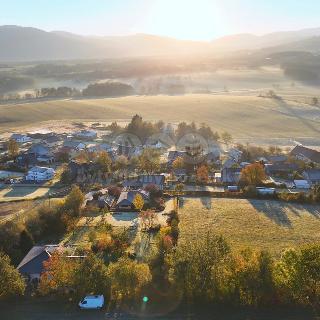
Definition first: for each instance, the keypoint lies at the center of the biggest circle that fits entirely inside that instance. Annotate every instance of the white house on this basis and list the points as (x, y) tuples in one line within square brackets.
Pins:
[(87, 134), (21, 138), (40, 174)]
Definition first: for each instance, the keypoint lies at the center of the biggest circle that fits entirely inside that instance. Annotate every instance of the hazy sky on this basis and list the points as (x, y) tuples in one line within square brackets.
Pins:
[(184, 19)]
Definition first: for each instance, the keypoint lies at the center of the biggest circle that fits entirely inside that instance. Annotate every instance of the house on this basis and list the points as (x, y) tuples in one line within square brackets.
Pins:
[(26, 160), (231, 175), (39, 150), (126, 200), (52, 141), (93, 147), (20, 138), (305, 154), (173, 155), (281, 158), (86, 134), (235, 154), (75, 145), (144, 180), (40, 174), (180, 174), (281, 168), (301, 184), (41, 153), (229, 163), (312, 176), (212, 157), (31, 265)]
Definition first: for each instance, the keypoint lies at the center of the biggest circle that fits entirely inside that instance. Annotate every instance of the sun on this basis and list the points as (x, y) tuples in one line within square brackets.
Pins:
[(186, 19)]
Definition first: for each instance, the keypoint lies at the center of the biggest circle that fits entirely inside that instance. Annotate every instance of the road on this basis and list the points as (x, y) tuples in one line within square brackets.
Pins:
[(40, 309)]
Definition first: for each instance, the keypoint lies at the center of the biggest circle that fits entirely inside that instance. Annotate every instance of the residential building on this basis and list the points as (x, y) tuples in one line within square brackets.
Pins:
[(126, 200), (86, 134), (305, 154), (20, 138), (39, 150), (31, 265), (73, 144), (144, 180), (231, 175), (40, 174), (312, 176)]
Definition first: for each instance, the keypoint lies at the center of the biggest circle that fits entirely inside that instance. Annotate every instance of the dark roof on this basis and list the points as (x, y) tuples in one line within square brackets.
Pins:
[(33, 261), (175, 154), (52, 139), (281, 167), (130, 195), (38, 149), (156, 179), (278, 158), (312, 155), (180, 171), (313, 174)]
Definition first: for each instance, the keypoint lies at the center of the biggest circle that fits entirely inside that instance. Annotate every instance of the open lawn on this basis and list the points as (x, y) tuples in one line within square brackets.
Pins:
[(257, 224), (243, 114), (14, 193)]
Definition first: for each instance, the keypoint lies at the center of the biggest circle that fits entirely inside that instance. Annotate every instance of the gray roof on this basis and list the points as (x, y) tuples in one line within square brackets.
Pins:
[(278, 158), (35, 252), (39, 149), (17, 135), (313, 174), (312, 155), (130, 195)]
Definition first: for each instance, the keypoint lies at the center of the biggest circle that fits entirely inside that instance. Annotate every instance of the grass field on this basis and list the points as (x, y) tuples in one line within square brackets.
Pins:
[(258, 224), (14, 193), (244, 115)]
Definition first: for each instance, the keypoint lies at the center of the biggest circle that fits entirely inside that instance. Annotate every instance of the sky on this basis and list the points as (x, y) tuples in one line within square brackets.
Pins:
[(183, 19)]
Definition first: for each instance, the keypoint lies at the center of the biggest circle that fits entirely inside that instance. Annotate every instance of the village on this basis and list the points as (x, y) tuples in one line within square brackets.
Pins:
[(130, 183)]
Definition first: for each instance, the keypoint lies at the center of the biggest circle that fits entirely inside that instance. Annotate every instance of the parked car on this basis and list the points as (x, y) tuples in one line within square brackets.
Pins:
[(233, 188), (92, 302)]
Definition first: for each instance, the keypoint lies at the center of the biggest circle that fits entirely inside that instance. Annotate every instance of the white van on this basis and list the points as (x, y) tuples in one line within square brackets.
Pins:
[(92, 302)]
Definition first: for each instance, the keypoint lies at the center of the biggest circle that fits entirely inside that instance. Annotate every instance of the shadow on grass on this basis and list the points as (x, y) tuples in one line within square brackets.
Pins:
[(20, 191), (277, 211)]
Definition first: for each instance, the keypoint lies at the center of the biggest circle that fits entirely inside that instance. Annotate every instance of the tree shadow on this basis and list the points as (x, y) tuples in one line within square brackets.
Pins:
[(306, 122), (206, 202), (277, 211), (20, 191)]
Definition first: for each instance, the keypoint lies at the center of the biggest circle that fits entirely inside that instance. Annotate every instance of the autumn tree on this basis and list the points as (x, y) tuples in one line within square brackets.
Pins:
[(226, 137), (74, 201), (121, 163), (138, 201), (91, 277), (58, 275), (198, 268), (179, 188), (128, 277), (13, 148), (178, 163), (298, 275), (11, 282), (147, 218), (149, 160), (251, 279), (104, 161), (202, 174), (253, 174)]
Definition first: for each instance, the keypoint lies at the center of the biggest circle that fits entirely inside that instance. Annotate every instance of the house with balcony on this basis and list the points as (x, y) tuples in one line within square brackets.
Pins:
[(40, 174)]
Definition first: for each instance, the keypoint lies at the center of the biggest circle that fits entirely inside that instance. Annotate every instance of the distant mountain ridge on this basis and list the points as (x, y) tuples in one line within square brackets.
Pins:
[(31, 44), (252, 42)]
